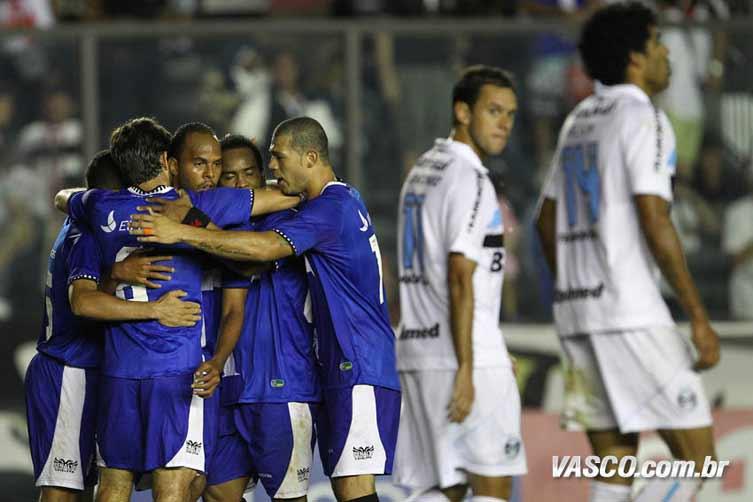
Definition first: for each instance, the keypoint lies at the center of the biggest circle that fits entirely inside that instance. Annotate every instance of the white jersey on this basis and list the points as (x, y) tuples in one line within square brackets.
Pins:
[(448, 205), (613, 146)]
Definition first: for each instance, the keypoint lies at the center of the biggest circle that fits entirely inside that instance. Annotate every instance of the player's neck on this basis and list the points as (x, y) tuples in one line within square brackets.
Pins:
[(153, 183), (461, 135), (640, 82), (319, 181)]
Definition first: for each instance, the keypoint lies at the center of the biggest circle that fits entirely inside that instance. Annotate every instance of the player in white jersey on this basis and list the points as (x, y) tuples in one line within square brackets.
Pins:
[(461, 408), (605, 226)]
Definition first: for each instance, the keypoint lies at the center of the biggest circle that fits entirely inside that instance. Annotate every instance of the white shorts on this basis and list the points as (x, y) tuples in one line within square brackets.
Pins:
[(635, 380), (431, 451)]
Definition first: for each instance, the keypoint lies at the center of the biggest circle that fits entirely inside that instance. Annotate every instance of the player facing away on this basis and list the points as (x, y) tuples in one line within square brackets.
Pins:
[(604, 224), (358, 421), (62, 380), (461, 414), (150, 419)]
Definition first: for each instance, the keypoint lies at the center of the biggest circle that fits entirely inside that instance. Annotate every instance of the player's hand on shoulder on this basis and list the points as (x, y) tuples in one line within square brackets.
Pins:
[(155, 228), (141, 269), (173, 312), (463, 395), (706, 341), (206, 378), (176, 209)]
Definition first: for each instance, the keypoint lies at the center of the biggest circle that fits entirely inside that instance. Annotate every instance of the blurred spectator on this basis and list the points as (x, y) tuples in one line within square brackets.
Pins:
[(217, 102), (253, 84), (694, 57), (738, 244), (693, 217), (715, 179), (26, 13)]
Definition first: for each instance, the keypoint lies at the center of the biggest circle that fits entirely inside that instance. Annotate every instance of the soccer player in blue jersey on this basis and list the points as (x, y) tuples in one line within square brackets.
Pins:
[(61, 381), (358, 422), (149, 418)]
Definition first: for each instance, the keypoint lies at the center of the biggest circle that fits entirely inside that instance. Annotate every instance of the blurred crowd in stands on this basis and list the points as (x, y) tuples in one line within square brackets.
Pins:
[(247, 84)]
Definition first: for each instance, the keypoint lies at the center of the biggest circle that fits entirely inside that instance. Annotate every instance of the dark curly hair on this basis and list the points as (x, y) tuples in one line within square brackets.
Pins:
[(233, 141), (473, 78), (136, 147), (610, 35), (103, 172)]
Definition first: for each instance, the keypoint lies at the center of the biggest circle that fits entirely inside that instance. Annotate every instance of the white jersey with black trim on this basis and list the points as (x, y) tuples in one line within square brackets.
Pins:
[(448, 205), (613, 146)]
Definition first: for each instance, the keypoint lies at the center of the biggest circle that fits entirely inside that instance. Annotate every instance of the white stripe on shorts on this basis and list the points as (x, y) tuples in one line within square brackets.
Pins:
[(192, 453), (296, 481), (63, 467), (363, 452)]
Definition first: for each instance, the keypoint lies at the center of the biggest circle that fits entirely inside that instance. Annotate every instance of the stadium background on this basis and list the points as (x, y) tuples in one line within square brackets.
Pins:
[(378, 75)]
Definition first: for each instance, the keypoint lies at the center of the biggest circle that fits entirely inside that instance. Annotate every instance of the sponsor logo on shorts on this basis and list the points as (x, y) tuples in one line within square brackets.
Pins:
[(64, 465), (303, 474), (512, 447), (432, 332), (687, 399), (193, 447), (363, 452)]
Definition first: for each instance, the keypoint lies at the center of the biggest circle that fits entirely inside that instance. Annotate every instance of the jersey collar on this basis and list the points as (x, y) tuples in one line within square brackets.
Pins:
[(464, 151), (625, 89), (158, 190), (332, 183)]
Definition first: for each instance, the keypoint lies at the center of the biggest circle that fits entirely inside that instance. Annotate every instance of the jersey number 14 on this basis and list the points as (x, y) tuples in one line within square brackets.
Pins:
[(582, 180)]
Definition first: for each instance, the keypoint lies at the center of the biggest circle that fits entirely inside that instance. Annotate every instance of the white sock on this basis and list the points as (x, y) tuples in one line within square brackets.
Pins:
[(433, 495), (609, 492), (485, 498), (669, 490)]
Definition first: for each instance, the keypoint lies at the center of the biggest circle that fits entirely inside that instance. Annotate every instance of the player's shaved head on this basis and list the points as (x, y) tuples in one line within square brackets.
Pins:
[(178, 140), (306, 135), (136, 148), (102, 172)]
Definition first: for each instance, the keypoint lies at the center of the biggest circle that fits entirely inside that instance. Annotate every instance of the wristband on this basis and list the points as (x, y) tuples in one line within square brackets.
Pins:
[(196, 218)]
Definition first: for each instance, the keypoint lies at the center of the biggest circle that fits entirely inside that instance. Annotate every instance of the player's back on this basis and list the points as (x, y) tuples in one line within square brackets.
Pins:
[(354, 338), (276, 349), (147, 348), (614, 145), (448, 205), (72, 340)]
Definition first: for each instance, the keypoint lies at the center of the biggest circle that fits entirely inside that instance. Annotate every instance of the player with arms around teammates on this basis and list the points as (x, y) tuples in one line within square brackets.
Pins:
[(357, 425), (461, 414), (605, 226), (62, 421), (148, 371)]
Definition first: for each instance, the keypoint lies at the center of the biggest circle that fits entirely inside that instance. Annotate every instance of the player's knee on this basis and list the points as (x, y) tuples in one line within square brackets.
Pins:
[(353, 488), (496, 487), (198, 484), (173, 485), (613, 443), (55, 494), (690, 444)]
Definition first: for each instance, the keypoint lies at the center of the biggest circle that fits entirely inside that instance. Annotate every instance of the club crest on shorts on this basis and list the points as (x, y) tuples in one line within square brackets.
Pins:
[(64, 465), (193, 447), (363, 452), (303, 474), (512, 447), (687, 399)]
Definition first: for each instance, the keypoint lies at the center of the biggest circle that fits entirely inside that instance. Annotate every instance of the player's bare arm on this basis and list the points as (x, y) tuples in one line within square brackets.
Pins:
[(460, 282), (546, 228), (662, 240), (207, 377), (87, 301), (62, 197), (234, 245)]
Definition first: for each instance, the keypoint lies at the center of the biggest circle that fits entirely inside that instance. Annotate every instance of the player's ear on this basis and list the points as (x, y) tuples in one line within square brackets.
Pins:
[(462, 112), (172, 165), (312, 158)]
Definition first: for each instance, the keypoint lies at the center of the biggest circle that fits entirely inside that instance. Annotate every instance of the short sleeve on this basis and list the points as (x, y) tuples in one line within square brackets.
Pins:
[(225, 206), (553, 179), (649, 150), (314, 224), (464, 225), (84, 258), (78, 204)]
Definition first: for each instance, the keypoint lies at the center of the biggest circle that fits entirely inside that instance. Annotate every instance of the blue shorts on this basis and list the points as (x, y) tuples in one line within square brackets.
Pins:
[(280, 439), (231, 458), (357, 430), (61, 411), (145, 424)]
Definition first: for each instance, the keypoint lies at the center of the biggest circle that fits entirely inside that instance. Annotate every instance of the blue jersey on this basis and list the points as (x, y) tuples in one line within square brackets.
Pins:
[(146, 349), (356, 344), (72, 340), (276, 348)]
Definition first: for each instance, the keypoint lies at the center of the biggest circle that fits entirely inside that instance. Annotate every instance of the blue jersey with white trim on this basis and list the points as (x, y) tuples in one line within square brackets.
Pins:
[(356, 344), (147, 349), (72, 340), (275, 353)]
